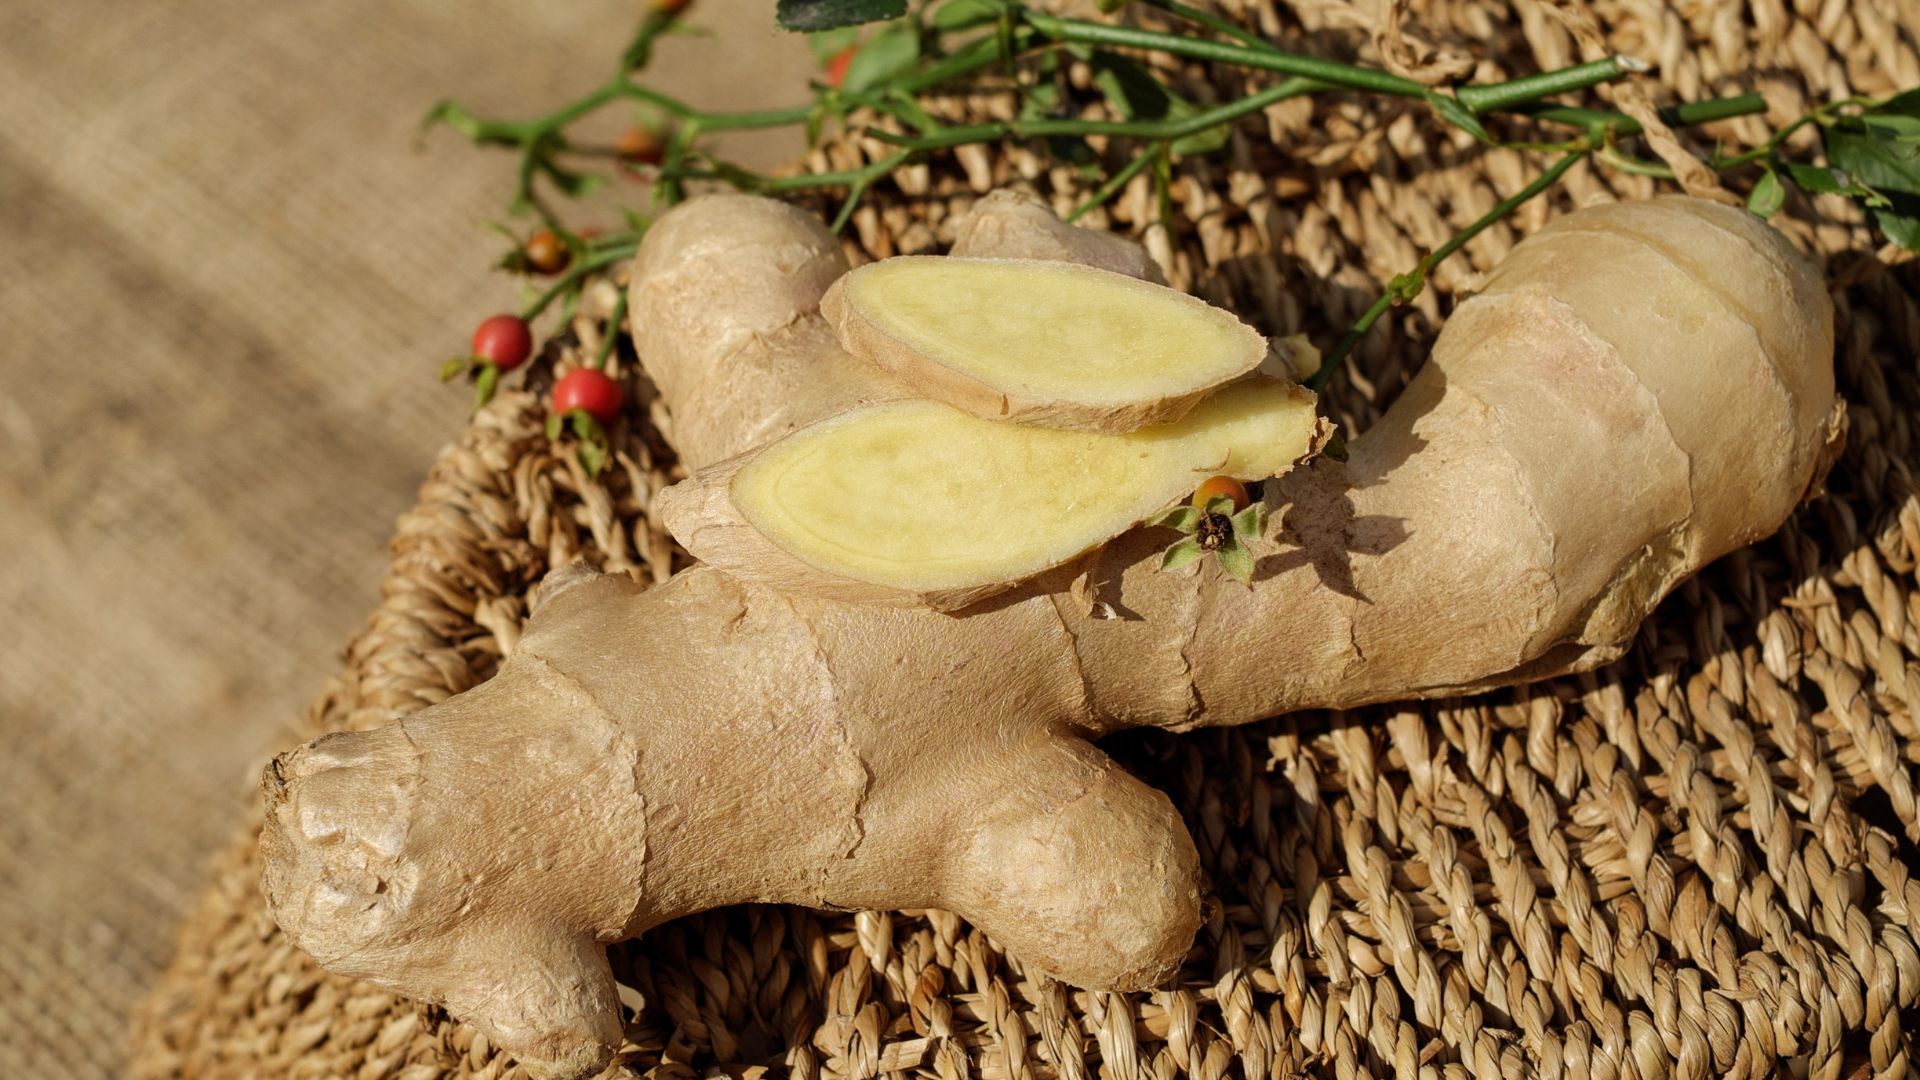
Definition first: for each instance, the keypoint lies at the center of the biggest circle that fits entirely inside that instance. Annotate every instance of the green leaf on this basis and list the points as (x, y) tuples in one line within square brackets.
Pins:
[(1336, 448), (1815, 178), (1885, 169), (1901, 228), (1204, 141), (1826, 181), (1040, 100), (553, 428), (1906, 104), (593, 457), (1235, 559), (1220, 504), (812, 15), (1071, 150), (1459, 116), (889, 53), (1884, 164), (1901, 128), (585, 426), (964, 14), (1130, 88), (1184, 518), (484, 386), (1250, 522), (453, 368), (1767, 196), (911, 111), (1181, 554), (1137, 94), (827, 44)]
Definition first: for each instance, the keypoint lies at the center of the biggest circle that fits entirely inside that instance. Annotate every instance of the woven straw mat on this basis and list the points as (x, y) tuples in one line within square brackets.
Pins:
[(1696, 862)]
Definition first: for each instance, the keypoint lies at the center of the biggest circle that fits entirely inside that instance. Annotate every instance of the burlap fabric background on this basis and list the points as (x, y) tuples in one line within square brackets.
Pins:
[(1697, 862), (225, 282)]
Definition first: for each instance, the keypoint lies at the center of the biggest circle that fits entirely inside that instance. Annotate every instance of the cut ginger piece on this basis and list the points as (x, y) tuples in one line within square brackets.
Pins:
[(1034, 342), (918, 502)]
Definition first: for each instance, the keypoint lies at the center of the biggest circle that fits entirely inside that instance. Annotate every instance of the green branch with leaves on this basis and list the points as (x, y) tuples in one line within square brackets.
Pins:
[(889, 74)]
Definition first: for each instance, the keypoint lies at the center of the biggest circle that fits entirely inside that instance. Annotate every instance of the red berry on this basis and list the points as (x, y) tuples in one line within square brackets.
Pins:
[(673, 7), (547, 253), (1217, 486), (505, 341), (589, 389), (837, 67)]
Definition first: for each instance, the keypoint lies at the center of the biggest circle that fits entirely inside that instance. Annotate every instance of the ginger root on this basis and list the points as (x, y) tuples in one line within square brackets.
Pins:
[(916, 501), (1040, 342), (1641, 389)]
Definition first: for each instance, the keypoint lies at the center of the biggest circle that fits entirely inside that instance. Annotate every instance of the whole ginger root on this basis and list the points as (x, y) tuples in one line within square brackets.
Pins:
[(1639, 389)]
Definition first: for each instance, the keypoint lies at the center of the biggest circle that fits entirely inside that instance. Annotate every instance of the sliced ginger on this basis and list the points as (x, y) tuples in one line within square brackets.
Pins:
[(1046, 343), (920, 500)]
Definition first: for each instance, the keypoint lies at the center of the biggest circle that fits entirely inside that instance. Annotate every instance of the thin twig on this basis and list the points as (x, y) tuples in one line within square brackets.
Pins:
[(1404, 288)]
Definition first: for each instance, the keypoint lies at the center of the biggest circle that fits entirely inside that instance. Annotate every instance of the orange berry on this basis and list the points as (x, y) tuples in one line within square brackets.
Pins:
[(1216, 486), (638, 146), (547, 253)]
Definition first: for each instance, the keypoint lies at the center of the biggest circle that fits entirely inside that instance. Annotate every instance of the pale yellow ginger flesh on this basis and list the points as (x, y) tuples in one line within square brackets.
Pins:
[(918, 496), (1040, 342)]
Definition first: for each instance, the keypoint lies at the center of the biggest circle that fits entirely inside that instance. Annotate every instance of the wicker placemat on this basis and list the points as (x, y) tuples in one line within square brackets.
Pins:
[(1694, 862)]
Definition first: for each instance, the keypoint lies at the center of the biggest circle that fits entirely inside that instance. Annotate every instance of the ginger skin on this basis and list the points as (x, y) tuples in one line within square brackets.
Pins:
[(1590, 432)]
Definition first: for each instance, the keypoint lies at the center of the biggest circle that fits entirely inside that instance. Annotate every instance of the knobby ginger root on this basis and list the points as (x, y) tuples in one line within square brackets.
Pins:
[(1642, 388), (916, 501), (1039, 342)]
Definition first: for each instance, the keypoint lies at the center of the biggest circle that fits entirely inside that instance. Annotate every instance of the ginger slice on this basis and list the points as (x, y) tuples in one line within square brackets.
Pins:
[(916, 501), (1048, 343)]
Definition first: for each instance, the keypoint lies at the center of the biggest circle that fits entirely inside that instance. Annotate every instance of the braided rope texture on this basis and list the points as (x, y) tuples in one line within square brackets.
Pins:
[(1697, 862)]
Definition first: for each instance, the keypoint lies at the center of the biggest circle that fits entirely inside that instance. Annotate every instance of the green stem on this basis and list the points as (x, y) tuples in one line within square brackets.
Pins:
[(714, 121), (575, 274), (1633, 166), (1685, 115), (1527, 89), (1158, 130), (1257, 54), (1404, 288), (857, 186), (615, 323), (1338, 356), (1331, 72), (855, 180), (966, 60), (1765, 149), (640, 50), (1117, 181), (1211, 21)]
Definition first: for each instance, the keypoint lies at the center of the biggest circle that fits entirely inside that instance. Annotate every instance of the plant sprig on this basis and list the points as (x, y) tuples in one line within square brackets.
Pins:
[(1215, 529), (1872, 148)]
